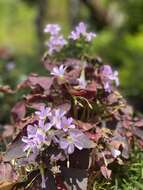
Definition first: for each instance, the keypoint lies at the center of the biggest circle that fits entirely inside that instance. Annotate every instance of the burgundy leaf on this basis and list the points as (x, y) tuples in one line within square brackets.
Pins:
[(33, 80), (44, 82), (18, 111), (7, 173), (15, 151)]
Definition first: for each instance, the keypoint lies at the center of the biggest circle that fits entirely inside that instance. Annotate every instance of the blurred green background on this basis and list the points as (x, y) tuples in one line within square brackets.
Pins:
[(119, 41)]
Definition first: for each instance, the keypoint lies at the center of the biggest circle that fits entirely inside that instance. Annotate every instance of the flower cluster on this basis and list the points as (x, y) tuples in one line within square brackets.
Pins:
[(108, 76), (54, 127), (81, 31), (56, 41)]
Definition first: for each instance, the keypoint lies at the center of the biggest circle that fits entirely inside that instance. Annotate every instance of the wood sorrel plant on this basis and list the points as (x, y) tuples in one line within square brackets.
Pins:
[(73, 124)]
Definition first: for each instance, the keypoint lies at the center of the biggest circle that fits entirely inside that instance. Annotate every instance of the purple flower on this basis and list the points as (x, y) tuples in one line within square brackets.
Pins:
[(53, 29), (56, 118), (35, 138), (74, 35), (31, 131), (47, 126), (55, 44), (89, 36), (108, 76), (29, 140), (67, 123), (40, 136), (44, 126), (80, 30), (75, 139), (43, 113), (58, 71)]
